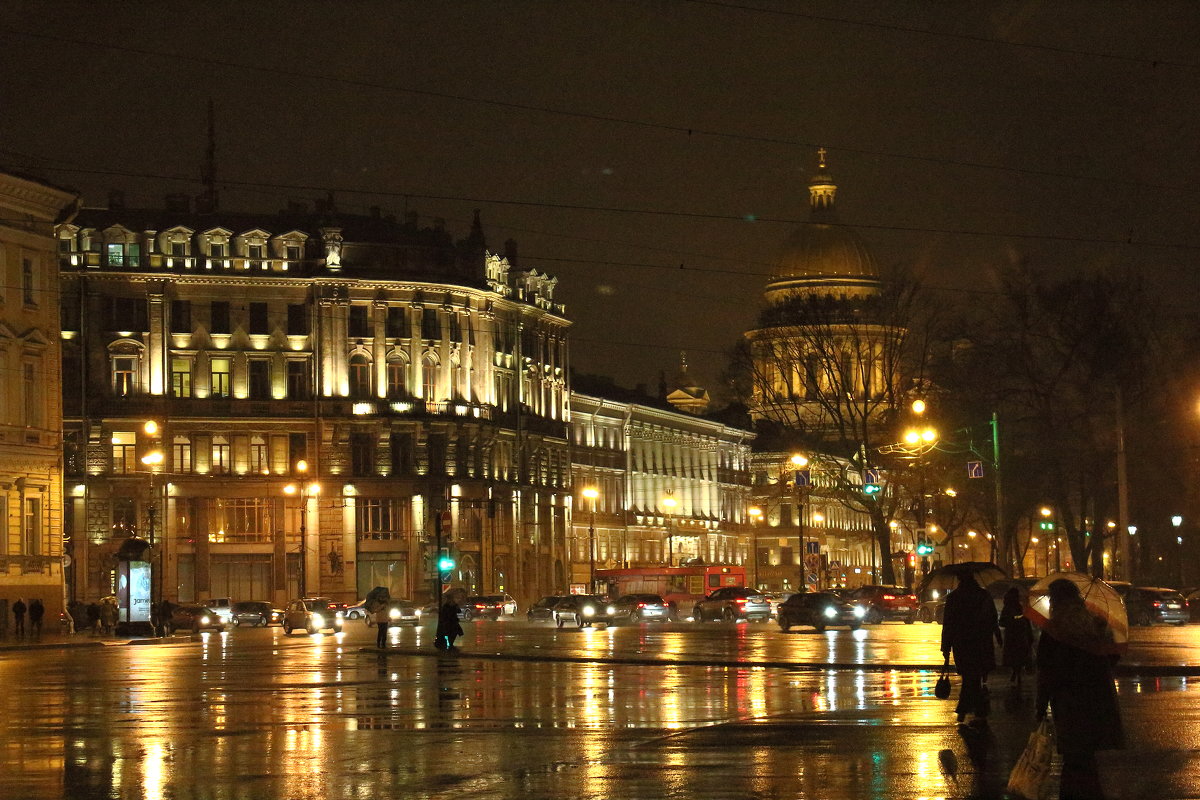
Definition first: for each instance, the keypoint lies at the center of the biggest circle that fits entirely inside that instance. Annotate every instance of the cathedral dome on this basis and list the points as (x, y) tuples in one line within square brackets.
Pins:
[(822, 255)]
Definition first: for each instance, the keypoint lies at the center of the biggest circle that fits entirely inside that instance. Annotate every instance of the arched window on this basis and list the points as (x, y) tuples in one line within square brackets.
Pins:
[(397, 378), (124, 359), (428, 377), (360, 376)]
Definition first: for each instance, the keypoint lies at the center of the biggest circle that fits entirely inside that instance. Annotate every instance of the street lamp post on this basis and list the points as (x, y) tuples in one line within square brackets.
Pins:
[(1177, 521), (305, 491), (669, 503), (152, 461), (755, 514), (799, 462), (591, 493)]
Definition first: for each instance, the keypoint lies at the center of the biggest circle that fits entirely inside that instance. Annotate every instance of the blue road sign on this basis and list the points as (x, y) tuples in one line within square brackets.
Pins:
[(871, 476), (804, 477), (974, 469)]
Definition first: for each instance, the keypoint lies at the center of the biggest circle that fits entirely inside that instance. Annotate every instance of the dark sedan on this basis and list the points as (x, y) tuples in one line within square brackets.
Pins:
[(581, 610), (480, 607), (733, 603), (1151, 605), (194, 618), (821, 610), (639, 608), (256, 612), (544, 608)]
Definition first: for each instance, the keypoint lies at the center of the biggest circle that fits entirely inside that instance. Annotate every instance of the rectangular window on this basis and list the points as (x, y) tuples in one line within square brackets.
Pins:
[(124, 517), (181, 454), (32, 529), (260, 379), (124, 376), (297, 323), (381, 517), (362, 454), (27, 282), (430, 329), (358, 322), (260, 463), (181, 316), (220, 455), (258, 319), (68, 314), (181, 377), (255, 251), (116, 255), (297, 380), (133, 255), (31, 394), (455, 328), (293, 252), (124, 452), (403, 461), (216, 250), (65, 245), (397, 327), (127, 314), (244, 520), (297, 448), (219, 317), (219, 370)]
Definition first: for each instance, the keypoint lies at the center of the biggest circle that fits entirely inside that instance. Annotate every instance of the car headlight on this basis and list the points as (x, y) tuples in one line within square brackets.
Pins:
[(205, 620), (417, 612), (589, 611), (339, 616), (394, 613), (830, 612), (318, 620), (860, 612), (612, 610)]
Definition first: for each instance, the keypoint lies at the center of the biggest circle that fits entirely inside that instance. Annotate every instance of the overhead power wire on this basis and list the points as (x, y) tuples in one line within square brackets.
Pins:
[(695, 215), (964, 37), (687, 130)]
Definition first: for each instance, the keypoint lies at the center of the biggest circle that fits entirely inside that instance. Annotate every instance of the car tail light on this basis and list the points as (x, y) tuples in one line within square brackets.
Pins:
[(1157, 604), (889, 597), (481, 605), (641, 605), (739, 599), (912, 598)]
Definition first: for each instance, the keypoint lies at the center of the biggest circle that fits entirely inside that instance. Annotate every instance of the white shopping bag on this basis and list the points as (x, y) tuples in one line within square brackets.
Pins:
[(1031, 776)]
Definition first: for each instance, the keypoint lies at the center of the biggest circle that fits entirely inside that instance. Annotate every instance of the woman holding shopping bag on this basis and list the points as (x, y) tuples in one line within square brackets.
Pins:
[(1075, 679)]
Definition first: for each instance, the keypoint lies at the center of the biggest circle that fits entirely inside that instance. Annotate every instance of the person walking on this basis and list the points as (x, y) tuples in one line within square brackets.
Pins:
[(381, 625), (448, 627), (1075, 679), (969, 625), (93, 617), (36, 612), (19, 618), (1017, 653), (108, 616)]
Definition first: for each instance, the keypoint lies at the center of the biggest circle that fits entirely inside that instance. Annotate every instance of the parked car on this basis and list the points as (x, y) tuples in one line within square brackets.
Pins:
[(510, 605), (403, 612), (639, 608), (1192, 596), (1147, 605), (313, 614), (544, 608), (481, 607), (581, 610), (820, 610), (195, 618), (733, 603), (256, 612), (357, 611), (223, 606), (889, 602)]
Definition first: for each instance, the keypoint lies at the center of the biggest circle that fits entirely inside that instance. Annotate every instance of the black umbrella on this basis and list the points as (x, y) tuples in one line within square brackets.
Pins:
[(375, 598), (945, 578)]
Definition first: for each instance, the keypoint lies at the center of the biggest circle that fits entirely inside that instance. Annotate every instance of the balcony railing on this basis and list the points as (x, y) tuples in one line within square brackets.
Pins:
[(387, 536)]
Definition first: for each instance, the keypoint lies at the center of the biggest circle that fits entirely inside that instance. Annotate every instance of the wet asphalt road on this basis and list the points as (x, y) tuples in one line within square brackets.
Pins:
[(256, 714)]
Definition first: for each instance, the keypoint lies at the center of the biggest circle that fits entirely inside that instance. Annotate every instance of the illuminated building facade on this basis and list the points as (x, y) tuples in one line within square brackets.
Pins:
[(31, 542), (670, 487), (323, 386)]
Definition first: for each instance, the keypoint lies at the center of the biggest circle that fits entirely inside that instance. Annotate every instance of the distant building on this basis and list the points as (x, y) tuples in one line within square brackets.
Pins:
[(685, 394), (672, 488), (323, 386), (31, 533)]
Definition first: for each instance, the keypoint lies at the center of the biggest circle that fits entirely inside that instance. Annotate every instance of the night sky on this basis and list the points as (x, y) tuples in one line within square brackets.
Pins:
[(962, 136)]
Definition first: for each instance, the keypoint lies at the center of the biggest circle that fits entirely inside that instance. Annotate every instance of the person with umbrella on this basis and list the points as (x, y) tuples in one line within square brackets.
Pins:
[(448, 626), (969, 625), (1075, 679)]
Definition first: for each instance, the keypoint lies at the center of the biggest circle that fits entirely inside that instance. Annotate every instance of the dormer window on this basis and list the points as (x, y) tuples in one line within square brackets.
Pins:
[(216, 250), (255, 251)]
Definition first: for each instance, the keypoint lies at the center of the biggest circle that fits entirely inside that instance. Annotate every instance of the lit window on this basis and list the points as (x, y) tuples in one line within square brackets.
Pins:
[(124, 374), (219, 370)]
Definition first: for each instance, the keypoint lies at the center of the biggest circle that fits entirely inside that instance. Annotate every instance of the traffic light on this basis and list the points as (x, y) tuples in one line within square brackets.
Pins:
[(445, 564), (1046, 526), (871, 489), (912, 560), (924, 547)]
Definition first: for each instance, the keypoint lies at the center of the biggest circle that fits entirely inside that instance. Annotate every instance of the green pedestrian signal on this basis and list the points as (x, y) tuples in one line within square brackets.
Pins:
[(924, 547), (445, 564), (871, 489)]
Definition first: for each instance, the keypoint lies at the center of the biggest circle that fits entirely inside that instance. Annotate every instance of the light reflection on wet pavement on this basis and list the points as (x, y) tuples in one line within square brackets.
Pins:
[(256, 714)]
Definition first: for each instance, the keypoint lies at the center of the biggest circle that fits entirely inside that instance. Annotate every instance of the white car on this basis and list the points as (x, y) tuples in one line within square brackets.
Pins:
[(223, 606)]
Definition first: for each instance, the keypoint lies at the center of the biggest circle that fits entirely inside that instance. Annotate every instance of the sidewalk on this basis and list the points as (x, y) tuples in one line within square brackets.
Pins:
[(50, 641)]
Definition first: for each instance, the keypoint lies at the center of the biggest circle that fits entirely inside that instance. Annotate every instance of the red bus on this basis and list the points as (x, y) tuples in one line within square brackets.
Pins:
[(681, 587)]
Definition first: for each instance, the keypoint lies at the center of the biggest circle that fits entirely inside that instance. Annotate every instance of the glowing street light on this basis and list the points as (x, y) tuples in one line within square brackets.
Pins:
[(669, 503), (591, 493)]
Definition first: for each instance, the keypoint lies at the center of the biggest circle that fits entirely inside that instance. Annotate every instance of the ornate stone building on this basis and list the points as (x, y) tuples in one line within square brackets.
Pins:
[(671, 487), (31, 540), (322, 386)]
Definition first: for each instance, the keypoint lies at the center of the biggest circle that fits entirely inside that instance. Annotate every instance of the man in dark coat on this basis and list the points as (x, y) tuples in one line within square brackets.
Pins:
[(969, 626), (36, 612), (1075, 679), (19, 617), (448, 627)]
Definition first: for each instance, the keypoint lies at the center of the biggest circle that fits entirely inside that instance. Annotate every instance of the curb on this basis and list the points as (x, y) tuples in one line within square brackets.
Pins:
[(16, 648), (1121, 670)]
